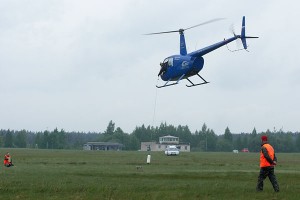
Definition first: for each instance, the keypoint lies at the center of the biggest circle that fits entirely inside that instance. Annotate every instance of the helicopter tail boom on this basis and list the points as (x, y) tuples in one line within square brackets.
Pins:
[(206, 50)]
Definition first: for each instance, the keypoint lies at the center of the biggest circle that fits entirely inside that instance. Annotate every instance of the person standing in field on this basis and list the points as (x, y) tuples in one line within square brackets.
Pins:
[(267, 162)]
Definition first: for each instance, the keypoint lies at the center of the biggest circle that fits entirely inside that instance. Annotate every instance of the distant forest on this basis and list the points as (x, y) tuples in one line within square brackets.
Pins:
[(201, 140)]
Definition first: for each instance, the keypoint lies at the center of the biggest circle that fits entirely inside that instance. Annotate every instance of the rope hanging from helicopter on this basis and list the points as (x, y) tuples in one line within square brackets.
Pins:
[(154, 110)]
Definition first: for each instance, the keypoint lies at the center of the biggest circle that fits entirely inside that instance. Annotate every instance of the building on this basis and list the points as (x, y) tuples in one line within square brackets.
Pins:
[(169, 140), (104, 146), (164, 142)]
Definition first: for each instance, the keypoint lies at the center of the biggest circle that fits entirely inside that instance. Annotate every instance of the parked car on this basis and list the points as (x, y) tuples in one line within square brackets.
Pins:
[(245, 150), (171, 150)]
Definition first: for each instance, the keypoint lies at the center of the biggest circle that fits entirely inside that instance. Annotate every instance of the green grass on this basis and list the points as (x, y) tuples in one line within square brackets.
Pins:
[(68, 174)]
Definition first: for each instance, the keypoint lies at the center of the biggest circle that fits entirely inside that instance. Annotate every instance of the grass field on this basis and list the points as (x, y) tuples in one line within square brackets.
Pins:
[(69, 174)]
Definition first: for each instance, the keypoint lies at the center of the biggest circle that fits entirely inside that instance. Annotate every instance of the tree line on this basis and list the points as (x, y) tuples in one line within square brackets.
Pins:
[(204, 139)]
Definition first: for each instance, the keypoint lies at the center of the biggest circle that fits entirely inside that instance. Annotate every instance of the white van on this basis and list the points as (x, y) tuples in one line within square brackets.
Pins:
[(172, 150)]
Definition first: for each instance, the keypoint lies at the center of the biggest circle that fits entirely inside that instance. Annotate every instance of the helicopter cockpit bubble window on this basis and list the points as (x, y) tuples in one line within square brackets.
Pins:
[(165, 60), (168, 62)]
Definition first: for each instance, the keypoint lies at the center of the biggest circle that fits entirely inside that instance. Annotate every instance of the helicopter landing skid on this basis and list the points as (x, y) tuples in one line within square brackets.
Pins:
[(166, 84), (192, 84)]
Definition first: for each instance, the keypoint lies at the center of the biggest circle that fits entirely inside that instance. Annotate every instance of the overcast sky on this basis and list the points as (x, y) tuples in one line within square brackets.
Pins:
[(77, 64)]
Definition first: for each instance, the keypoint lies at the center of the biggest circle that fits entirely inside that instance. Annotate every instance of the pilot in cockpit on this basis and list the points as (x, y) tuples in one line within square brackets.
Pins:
[(164, 66)]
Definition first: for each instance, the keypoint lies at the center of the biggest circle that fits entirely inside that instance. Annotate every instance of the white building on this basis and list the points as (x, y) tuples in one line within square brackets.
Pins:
[(164, 142)]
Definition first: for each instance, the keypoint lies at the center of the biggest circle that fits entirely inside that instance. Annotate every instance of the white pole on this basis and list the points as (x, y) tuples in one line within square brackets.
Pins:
[(148, 159)]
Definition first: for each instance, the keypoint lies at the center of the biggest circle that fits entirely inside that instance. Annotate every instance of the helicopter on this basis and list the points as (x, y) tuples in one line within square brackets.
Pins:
[(178, 67)]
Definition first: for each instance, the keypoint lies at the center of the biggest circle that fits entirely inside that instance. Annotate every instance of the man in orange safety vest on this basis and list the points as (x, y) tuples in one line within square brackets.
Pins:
[(267, 162), (7, 160)]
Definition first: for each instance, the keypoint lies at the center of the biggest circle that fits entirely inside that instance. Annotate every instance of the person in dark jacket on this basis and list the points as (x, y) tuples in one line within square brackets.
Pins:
[(267, 162)]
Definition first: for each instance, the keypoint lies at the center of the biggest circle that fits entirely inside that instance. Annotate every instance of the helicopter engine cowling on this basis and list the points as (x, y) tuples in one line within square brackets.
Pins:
[(197, 65)]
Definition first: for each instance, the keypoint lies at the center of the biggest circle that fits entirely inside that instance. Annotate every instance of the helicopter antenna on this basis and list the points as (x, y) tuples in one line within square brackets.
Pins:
[(180, 31)]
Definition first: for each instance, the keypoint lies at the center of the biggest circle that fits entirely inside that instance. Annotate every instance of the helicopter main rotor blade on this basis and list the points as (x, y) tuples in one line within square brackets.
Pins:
[(207, 22), (181, 30), (162, 32)]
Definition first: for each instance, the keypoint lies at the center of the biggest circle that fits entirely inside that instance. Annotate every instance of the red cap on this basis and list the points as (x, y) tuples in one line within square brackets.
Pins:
[(264, 138)]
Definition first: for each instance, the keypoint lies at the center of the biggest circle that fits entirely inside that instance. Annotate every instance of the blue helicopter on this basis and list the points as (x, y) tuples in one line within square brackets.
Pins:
[(185, 65)]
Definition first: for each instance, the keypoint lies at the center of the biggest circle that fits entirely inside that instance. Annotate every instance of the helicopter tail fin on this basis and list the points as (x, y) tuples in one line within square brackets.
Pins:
[(243, 34)]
